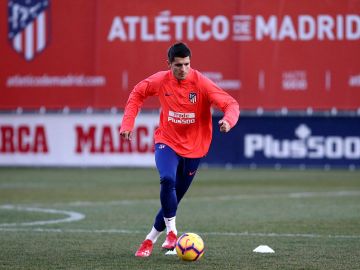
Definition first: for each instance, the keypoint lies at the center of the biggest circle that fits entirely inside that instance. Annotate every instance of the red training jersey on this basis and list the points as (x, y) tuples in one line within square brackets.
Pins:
[(185, 119)]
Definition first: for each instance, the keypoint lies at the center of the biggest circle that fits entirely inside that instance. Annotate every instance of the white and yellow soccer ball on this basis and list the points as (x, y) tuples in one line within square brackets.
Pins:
[(190, 247)]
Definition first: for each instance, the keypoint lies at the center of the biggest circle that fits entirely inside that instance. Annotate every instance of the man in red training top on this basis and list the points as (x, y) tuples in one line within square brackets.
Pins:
[(184, 133)]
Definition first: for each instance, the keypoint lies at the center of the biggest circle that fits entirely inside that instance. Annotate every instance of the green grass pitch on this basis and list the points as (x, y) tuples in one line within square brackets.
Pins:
[(96, 218)]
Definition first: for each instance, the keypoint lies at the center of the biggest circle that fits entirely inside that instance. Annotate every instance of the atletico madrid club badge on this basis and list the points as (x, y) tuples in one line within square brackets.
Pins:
[(193, 97), (28, 26)]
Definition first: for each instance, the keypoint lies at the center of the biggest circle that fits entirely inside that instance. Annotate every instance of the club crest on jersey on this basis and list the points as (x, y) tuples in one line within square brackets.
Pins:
[(28, 26), (193, 97)]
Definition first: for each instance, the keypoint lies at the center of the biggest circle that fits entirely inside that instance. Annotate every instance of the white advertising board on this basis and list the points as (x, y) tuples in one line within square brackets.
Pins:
[(75, 140)]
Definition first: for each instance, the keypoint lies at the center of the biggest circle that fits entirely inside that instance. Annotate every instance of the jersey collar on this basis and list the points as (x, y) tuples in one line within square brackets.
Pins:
[(188, 78)]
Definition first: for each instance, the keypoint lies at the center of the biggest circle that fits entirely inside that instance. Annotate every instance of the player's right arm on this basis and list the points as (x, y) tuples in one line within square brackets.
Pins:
[(126, 134), (132, 108)]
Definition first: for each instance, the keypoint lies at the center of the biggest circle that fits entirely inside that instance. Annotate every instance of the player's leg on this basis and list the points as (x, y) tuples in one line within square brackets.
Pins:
[(166, 162), (185, 175)]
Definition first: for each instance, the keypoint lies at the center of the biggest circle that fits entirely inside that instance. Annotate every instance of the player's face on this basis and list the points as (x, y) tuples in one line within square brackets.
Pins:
[(180, 67)]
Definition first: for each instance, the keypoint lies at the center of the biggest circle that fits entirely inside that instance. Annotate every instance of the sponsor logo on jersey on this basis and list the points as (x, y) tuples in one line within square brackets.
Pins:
[(28, 26), (181, 118)]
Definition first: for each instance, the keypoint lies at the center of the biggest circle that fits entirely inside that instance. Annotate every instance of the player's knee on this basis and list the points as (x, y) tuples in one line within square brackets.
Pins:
[(168, 181)]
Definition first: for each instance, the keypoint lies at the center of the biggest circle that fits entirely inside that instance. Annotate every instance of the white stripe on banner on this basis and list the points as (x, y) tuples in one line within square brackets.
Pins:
[(29, 41), (40, 21), (17, 42)]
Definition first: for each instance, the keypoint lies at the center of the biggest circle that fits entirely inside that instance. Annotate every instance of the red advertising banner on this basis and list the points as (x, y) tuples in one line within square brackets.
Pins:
[(270, 54)]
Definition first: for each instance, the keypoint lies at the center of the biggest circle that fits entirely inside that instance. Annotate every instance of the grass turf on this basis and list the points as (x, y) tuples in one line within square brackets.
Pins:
[(310, 218)]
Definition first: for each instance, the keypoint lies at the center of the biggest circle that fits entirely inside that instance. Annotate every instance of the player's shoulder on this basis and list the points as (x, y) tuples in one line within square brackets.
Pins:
[(197, 76), (158, 77), (200, 79)]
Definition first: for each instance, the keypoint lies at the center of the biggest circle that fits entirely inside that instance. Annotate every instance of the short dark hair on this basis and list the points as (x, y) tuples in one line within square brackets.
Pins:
[(178, 50)]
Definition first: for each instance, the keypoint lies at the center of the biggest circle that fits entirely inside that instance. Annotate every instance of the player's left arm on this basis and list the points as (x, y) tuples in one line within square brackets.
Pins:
[(226, 103), (224, 125)]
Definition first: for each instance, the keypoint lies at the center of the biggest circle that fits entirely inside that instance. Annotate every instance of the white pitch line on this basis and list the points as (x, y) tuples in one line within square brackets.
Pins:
[(109, 231), (341, 193), (117, 202), (291, 195), (238, 234), (303, 235), (72, 216)]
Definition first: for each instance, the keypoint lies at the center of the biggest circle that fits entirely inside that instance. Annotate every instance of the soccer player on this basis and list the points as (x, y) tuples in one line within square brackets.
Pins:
[(184, 133)]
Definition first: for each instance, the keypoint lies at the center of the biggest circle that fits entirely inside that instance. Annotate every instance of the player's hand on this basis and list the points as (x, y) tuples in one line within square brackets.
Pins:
[(126, 134), (224, 126)]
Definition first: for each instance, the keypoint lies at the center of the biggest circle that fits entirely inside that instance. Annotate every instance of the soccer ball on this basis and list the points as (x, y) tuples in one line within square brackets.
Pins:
[(190, 247)]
